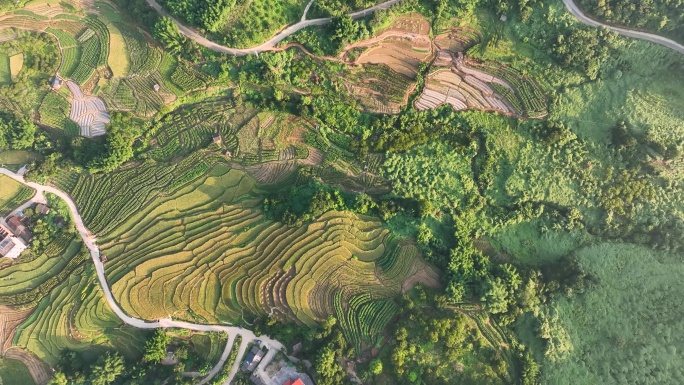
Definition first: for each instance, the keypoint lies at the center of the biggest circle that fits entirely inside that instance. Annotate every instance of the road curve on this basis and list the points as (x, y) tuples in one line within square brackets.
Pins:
[(91, 243), (583, 18), (272, 42)]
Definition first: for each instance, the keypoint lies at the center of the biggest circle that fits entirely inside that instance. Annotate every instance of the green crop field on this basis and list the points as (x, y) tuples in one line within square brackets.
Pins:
[(12, 194)]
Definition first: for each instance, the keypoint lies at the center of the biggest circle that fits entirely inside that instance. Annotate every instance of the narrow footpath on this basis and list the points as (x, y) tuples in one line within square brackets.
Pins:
[(91, 243)]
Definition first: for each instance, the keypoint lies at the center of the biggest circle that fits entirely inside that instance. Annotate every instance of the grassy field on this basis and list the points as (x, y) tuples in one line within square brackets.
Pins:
[(14, 159), (14, 372), (12, 194), (628, 328), (5, 71), (117, 60)]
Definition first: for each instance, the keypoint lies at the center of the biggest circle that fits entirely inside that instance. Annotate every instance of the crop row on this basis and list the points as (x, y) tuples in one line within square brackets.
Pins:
[(103, 37), (532, 101), (187, 78), (66, 40)]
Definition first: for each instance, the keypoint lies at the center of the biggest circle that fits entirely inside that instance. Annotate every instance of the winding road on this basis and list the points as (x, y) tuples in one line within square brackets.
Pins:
[(303, 23), (583, 18), (272, 42), (91, 243)]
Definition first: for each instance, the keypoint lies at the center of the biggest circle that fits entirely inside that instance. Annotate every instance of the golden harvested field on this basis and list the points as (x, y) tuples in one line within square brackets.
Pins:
[(16, 64), (118, 55)]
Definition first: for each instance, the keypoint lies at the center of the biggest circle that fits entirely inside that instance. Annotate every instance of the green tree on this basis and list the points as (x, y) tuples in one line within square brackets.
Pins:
[(375, 367), (155, 347), (58, 378), (107, 369)]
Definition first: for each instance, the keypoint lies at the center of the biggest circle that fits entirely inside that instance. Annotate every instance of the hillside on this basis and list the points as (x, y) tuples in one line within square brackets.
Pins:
[(412, 191)]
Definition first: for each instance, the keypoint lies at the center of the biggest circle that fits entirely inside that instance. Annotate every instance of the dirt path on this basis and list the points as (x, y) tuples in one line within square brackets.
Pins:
[(90, 242), (583, 18), (271, 43)]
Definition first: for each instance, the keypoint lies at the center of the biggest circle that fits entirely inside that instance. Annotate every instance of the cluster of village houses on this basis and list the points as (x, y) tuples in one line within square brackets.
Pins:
[(277, 372), (15, 233)]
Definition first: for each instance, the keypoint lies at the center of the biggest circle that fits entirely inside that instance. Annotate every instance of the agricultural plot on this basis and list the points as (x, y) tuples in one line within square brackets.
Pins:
[(207, 252), (106, 201), (455, 81), (378, 88), (384, 72), (14, 372), (402, 46), (12, 194), (54, 111), (16, 64), (117, 59), (89, 112), (99, 46)]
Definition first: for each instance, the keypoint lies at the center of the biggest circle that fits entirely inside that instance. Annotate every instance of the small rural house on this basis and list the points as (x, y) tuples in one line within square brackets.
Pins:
[(10, 246), (56, 83), (253, 358), (19, 229)]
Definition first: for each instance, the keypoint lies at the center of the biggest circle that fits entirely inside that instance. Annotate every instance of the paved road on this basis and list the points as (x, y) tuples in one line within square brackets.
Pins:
[(575, 11), (91, 243), (271, 43)]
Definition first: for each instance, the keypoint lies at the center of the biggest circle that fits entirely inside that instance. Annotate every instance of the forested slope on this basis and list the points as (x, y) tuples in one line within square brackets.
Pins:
[(665, 17)]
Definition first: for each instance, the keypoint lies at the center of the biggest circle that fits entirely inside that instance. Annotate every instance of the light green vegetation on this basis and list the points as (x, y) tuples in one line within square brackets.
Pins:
[(5, 72), (209, 346), (14, 159), (14, 372), (54, 112), (12, 194), (626, 325)]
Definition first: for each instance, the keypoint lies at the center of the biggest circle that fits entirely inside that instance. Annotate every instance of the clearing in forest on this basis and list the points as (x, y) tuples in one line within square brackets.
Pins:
[(16, 64)]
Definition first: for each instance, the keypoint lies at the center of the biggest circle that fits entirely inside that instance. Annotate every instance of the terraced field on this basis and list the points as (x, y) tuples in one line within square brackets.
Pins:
[(467, 84), (107, 58), (208, 253), (75, 315)]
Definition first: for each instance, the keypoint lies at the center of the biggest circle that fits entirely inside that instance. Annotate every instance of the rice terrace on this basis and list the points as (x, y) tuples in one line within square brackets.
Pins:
[(341, 192)]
